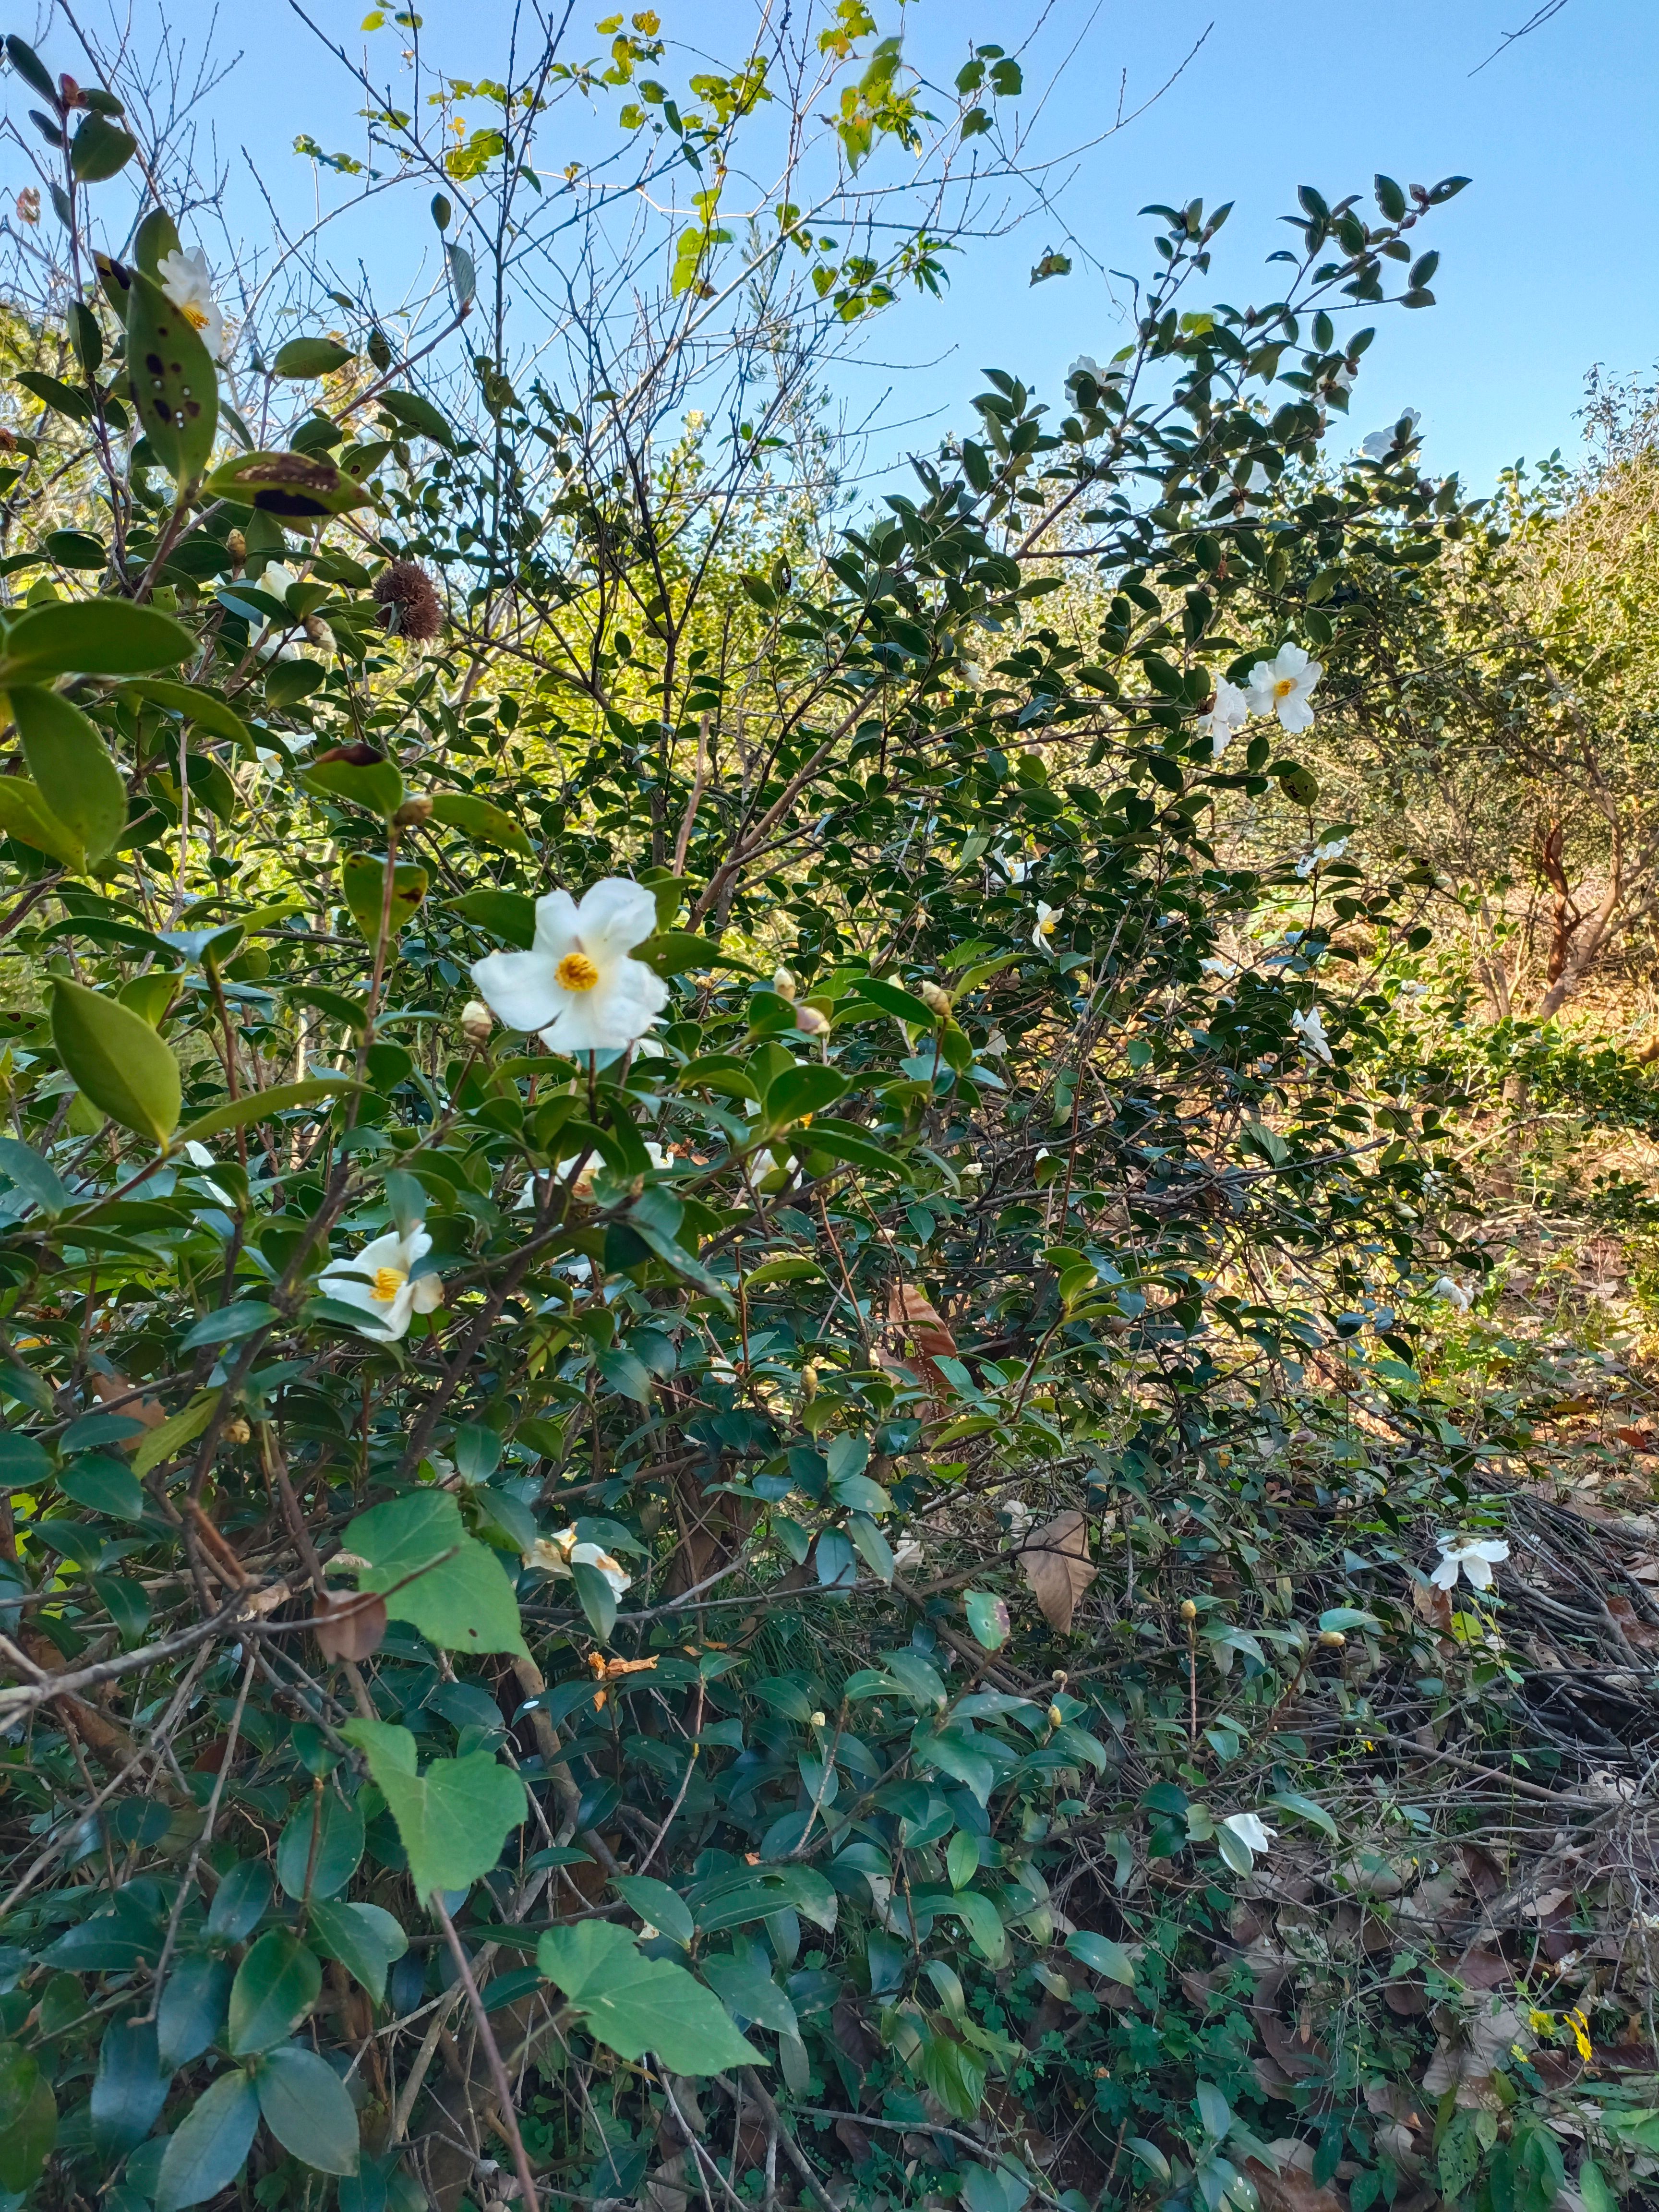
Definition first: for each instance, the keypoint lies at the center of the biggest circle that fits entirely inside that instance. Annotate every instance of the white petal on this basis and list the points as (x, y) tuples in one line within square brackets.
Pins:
[(557, 926), (519, 987), (1445, 1574), (427, 1293), (615, 915)]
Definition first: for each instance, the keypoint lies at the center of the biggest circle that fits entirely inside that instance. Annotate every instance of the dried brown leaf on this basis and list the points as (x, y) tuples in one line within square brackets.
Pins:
[(911, 1308), (349, 1627), (1054, 1560)]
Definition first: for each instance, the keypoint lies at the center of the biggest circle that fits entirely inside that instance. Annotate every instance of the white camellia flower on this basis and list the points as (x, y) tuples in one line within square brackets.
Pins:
[(1472, 1557), (1333, 851), (1311, 1027), (576, 985), (1284, 685), (1448, 1288), (582, 1188), (187, 283), (1380, 443), (1251, 1830), (1225, 719), (274, 580), (377, 1282), (1047, 921), (557, 1554), (1015, 871)]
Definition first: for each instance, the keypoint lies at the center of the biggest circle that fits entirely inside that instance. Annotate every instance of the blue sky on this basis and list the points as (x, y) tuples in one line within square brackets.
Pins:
[(1548, 259)]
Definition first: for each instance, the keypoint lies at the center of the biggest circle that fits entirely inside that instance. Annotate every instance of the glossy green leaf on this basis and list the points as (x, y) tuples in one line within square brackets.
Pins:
[(129, 2089), (25, 814), (633, 2004), (322, 1847), (28, 2117), (311, 357), (741, 1981), (656, 1904), (276, 1985), (194, 2006), (71, 768), (366, 1939), (100, 150), (92, 637), (37, 1179), (411, 412), (363, 880), (207, 711), (505, 915), (1101, 1956), (452, 1820), (116, 1060), (208, 2149), (259, 1105), (305, 2105), (477, 819)]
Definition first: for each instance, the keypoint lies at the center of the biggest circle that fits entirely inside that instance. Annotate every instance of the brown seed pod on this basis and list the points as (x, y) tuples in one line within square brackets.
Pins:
[(408, 604)]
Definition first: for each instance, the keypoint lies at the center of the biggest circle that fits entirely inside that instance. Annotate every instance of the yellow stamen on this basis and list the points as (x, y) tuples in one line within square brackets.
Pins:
[(1047, 924), (388, 1281), (576, 972), (195, 316), (1285, 686)]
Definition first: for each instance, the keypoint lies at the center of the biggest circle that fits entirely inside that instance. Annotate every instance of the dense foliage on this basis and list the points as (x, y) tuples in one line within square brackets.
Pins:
[(716, 1465)]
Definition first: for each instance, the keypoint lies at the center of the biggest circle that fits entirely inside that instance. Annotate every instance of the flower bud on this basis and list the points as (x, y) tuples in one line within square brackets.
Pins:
[(784, 984), (1332, 1638), (412, 813), (935, 998), (236, 1430), (1056, 1718), (809, 1383), (236, 545), (476, 1023), (318, 632), (1188, 1610), (1060, 1677), (817, 1720), (810, 1023)]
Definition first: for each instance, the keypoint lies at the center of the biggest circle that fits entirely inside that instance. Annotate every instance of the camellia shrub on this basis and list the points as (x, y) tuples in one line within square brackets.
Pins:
[(690, 1289)]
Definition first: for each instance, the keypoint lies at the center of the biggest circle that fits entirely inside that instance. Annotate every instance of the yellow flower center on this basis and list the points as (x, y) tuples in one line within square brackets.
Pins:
[(388, 1281), (1047, 924), (576, 972), (195, 316), (1285, 686)]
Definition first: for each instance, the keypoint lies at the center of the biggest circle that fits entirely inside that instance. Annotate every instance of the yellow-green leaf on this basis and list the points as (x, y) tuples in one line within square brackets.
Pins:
[(116, 1059), (71, 768)]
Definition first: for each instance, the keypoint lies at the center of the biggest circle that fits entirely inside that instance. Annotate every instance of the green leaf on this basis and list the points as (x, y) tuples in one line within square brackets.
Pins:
[(298, 487), (466, 1603), (1101, 1956), (174, 382), (744, 1986), (988, 1622), (506, 915), (364, 1938), (229, 1324), (337, 1826), (373, 785), (25, 814), (1292, 1800), (453, 1820), (116, 1059), (962, 1859), (175, 1433), (658, 1905), (156, 237), (983, 1922), (192, 2012), (94, 637), (103, 1485), (796, 1092), (130, 2088), (276, 1985), (596, 1597), (477, 817), (411, 412), (363, 880), (237, 1113), (99, 149), (672, 952), (71, 768), (633, 2004), (869, 991), (1300, 785), (309, 357), (28, 2117), (306, 2108), (197, 706), (1593, 2188), (36, 1178), (206, 2154)]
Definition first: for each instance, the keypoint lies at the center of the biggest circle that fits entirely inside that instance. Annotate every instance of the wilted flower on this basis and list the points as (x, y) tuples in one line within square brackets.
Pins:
[(408, 603), (187, 283), (811, 1021), (476, 1023), (28, 204), (557, 1554), (1251, 1830), (937, 999), (1472, 1557), (1284, 685), (576, 985), (1255, 484), (1220, 965), (377, 1282), (1047, 921), (1380, 443), (1309, 1026), (1448, 1288), (1227, 716), (908, 1553), (1332, 851)]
